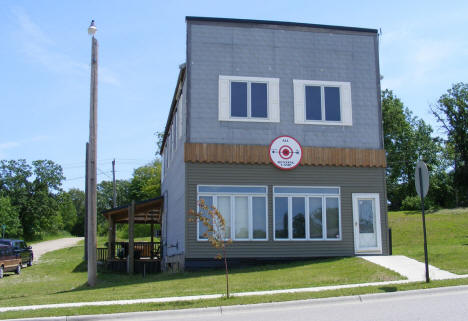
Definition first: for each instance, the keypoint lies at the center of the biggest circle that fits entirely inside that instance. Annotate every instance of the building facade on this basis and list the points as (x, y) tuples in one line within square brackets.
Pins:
[(244, 84)]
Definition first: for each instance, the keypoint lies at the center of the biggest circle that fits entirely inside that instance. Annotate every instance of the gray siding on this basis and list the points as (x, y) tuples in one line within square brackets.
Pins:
[(172, 188), (287, 53), (351, 180)]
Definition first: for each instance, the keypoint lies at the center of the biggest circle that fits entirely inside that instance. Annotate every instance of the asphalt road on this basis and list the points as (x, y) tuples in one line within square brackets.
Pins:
[(428, 305)]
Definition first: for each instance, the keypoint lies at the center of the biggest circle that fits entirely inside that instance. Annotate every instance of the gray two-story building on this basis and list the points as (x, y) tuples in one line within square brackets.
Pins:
[(279, 126)]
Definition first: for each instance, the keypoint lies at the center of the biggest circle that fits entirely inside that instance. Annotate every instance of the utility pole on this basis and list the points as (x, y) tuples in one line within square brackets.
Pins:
[(113, 180), (92, 166), (86, 206)]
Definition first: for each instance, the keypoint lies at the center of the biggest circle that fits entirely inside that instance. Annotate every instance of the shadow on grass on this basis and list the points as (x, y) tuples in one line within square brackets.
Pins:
[(389, 288), (107, 279), (81, 267)]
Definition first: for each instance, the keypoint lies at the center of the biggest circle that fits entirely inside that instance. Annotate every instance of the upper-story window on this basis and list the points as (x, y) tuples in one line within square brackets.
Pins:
[(322, 102), (248, 99)]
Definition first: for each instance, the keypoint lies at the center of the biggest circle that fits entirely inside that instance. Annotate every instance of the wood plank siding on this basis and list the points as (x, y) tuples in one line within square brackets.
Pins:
[(349, 179), (258, 154)]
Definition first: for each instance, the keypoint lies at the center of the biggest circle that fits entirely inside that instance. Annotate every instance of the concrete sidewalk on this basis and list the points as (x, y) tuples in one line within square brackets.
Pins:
[(401, 264), (411, 269)]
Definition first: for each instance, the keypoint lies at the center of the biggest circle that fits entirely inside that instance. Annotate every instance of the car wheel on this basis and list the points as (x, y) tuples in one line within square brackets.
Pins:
[(1, 272), (18, 269)]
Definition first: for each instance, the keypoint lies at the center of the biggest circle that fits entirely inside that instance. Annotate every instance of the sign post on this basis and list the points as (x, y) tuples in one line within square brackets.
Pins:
[(3, 230), (422, 186)]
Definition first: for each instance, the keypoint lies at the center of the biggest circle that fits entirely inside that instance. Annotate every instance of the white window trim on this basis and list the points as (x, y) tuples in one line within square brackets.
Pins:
[(300, 102), (215, 196), (307, 226), (378, 227), (224, 96)]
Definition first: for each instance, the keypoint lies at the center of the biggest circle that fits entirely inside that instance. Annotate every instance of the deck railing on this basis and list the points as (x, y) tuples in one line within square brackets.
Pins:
[(119, 250), (102, 254)]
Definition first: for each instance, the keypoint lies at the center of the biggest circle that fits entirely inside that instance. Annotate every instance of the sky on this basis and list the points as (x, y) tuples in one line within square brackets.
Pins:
[(45, 67)]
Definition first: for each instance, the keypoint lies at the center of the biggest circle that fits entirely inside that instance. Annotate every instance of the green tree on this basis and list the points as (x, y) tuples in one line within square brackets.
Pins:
[(451, 111), (407, 139), (33, 192), (146, 181), (67, 211), (14, 183), (78, 198), (105, 197), (9, 217)]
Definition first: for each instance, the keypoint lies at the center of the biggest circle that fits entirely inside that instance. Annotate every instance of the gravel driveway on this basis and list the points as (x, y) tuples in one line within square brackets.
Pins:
[(47, 246)]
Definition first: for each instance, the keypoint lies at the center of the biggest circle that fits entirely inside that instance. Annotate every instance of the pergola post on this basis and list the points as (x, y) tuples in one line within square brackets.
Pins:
[(131, 248), (152, 236), (111, 239)]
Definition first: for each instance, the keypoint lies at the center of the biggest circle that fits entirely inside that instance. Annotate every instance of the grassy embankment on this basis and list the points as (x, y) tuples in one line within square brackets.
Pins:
[(447, 237)]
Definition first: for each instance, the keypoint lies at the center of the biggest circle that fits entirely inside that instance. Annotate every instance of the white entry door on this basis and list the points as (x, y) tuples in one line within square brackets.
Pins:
[(366, 220)]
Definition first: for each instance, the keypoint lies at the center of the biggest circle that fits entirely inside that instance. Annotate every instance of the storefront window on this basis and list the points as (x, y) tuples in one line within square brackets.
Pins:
[(307, 213), (244, 209)]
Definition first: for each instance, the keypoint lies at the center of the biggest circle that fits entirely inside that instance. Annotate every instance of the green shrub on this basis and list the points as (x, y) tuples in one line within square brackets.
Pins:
[(413, 203)]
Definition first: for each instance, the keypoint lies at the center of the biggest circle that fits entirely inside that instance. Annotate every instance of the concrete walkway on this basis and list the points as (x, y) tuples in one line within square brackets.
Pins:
[(414, 270), (410, 269)]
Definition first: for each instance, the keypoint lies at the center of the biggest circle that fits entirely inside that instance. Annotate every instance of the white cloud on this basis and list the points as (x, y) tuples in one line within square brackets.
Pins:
[(15, 144), (38, 47)]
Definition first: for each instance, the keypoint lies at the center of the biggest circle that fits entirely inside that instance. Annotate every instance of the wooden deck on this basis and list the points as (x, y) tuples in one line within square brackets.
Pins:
[(147, 257)]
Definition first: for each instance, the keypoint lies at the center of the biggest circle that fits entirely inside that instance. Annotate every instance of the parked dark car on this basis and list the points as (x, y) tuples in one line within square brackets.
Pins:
[(9, 260), (21, 248)]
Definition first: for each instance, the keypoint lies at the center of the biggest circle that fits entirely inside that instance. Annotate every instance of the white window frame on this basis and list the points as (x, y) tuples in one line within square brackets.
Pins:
[(346, 110), (324, 196), (232, 196), (224, 96)]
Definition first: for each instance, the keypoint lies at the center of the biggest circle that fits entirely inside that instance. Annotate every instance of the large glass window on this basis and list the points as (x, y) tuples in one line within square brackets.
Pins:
[(319, 102), (313, 103), (328, 108), (258, 217), (238, 99), (281, 218), (333, 218), (244, 209), (332, 103), (311, 213), (315, 218), (249, 99), (242, 217), (298, 217)]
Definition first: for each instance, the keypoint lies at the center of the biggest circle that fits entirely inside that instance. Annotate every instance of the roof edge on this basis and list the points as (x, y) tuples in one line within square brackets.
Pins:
[(279, 23), (175, 98), (136, 203)]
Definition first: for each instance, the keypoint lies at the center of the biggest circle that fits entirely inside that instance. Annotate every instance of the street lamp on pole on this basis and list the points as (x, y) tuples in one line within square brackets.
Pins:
[(92, 157)]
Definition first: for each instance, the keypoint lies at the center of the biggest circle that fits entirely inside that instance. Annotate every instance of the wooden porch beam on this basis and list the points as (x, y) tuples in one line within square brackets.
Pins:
[(131, 236)]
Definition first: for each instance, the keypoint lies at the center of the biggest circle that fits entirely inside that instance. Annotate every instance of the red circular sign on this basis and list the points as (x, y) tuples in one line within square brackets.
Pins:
[(285, 152)]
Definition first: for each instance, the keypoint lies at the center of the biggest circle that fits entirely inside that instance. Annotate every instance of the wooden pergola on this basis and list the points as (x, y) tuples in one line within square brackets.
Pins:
[(144, 212)]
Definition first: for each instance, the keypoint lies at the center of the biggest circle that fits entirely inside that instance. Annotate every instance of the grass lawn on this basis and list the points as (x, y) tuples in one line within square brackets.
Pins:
[(231, 301), (447, 237), (61, 277)]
